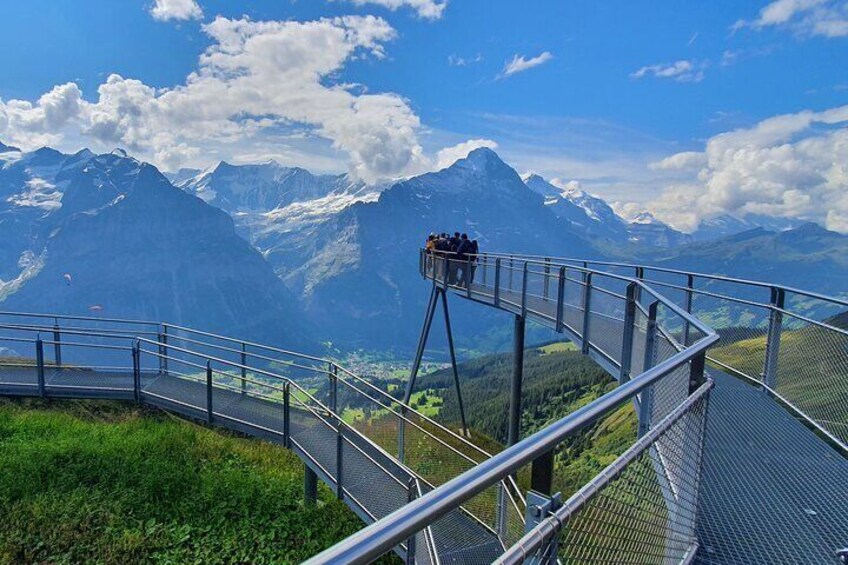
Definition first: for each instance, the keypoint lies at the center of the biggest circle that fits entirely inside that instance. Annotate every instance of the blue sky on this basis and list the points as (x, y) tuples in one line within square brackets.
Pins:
[(620, 86)]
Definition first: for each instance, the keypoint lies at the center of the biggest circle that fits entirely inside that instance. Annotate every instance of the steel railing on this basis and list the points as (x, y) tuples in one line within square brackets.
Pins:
[(269, 373), (653, 347), (789, 341)]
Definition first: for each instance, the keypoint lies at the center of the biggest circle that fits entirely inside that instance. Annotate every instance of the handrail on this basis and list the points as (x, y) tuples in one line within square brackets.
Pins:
[(378, 538), (694, 321), (80, 318), (696, 274)]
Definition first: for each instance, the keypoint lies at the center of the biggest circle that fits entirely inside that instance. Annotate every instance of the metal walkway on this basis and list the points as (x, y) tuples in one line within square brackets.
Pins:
[(740, 455), (772, 490), (263, 404)]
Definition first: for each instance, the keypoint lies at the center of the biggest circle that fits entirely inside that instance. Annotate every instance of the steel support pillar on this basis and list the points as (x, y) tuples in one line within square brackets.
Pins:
[(310, 486), (422, 342), (465, 431), (517, 378), (436, 295)]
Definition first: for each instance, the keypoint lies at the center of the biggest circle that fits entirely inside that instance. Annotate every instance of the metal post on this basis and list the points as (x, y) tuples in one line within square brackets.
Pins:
[(524, 290), (542, 473), (587, 297), (646, 399), (500, 518), (445, 277), (411, 490), (539, 507), (454, 366), (339, 459), (209, 392), (687, 305), (485, 267), (310, 486), (497, 288), (334, 406), (696, 372), (627, 337), (775, 328), (39, 360), (560, 299), (136, 372), (57, 344), (517, 377), (243, 368), (547, 277), (401, 435), (510, 272), (286, 414), (164, 350)]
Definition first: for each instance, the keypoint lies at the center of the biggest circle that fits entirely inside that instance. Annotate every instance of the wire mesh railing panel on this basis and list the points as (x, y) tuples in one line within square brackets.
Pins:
[(606, 322), (640, 509), (742, 327), (812, 373)]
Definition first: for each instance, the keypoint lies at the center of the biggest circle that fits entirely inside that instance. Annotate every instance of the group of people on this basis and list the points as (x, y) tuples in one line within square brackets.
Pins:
[(461, 257)]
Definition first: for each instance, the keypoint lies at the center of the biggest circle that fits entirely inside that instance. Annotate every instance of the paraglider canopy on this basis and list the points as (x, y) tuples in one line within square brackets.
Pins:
[(68, 278)]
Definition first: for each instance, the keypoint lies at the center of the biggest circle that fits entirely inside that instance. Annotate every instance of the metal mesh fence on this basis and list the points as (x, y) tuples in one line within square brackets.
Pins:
[(640, 509), (812, 372)]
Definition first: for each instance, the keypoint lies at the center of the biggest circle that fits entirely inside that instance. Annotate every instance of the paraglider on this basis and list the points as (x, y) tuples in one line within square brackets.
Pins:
[(95, 308), (68, 278)]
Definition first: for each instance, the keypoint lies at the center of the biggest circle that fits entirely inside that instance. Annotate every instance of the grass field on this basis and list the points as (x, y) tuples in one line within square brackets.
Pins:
[(99, 482)]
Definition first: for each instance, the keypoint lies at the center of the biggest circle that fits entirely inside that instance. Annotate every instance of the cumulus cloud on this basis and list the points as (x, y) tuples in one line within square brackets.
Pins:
[(518, 64), (450, 155), (792, 165), (828, 18), (165, 10), (255, 77), (681, 71), (427, 9), (680, 161)]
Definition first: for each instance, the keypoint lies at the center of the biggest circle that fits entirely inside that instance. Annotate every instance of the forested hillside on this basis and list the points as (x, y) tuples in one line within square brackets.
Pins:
[(557, 381)]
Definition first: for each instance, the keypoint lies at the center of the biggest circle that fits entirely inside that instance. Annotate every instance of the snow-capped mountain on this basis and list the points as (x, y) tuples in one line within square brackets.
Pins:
[(645, 229), (357, 272), (106, 231), (588, 214), (727, 224), (263, 187)]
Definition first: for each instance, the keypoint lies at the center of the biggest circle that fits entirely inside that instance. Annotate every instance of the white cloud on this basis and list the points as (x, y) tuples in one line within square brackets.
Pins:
[(519, 64), (567, 185), (256, 79), (680, 161), (792, 165), (455, 60), (681, 71), (427, 9), (450, 155), (165, 10), (828, 18)]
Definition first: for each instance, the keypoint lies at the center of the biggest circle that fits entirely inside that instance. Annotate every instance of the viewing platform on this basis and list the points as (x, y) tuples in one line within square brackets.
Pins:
[(740, 455)]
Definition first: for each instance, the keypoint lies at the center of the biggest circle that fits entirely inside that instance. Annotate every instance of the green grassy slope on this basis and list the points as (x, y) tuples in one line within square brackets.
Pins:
[(97, 482)]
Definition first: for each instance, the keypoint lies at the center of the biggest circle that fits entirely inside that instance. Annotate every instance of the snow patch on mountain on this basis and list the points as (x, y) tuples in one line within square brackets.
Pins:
[(30, 265), (39, 193)]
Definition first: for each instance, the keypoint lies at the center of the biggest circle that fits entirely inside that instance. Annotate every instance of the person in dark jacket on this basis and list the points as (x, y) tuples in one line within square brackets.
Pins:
[(463, 254), (475, 250)]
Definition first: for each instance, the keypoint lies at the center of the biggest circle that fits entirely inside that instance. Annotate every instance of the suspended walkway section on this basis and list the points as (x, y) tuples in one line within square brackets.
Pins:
[(761, 479)]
